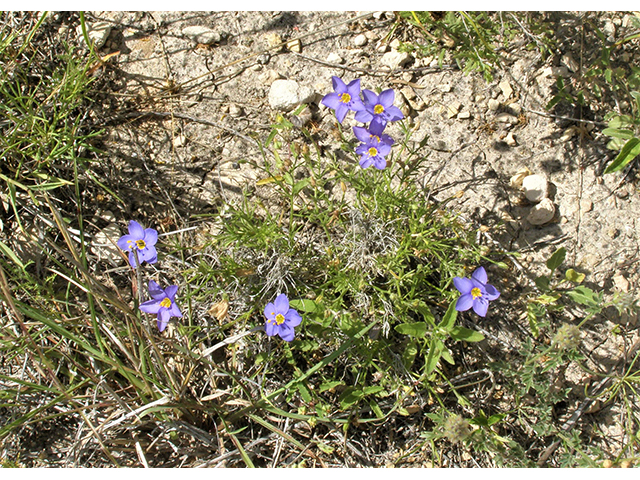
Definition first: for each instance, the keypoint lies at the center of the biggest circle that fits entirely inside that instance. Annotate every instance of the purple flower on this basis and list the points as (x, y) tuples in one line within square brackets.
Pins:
[(374, 147), (345, 97), (281, 319), (140, 241), (476, 292), (379, 109), (162, 303)]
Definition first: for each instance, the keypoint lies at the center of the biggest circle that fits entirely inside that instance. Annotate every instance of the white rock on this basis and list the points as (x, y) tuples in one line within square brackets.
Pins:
[(202, 35), (287, 94), (269, 76), (444, 87), (570, 62), (542, 212), (235, 110), (621, 283), (480, 97), (294, 45), (179, 140), (465, 114), (394, 59), (273, 39), (493, 105), (98, 33), (360, 40), (333, 57), (453, 108), (395, 43), (506, 89), (510, 140), (536, 187), (506, 118)]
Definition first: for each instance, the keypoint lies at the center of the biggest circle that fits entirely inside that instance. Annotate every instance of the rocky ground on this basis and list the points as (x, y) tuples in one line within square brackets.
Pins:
[(186, 95)]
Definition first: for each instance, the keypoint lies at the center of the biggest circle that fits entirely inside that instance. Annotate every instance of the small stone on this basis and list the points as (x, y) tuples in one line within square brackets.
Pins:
[(360, 40), (481, 97), (394, 59), (506, 89), (444, 87), (294, 46), (586, 205), (201, 35), (378, 15), (613, 232), (103, 244), (333, 57), (536, 187), (464, 115), (570, 62), (609, 30), (516, 108), (407, 76), (516, 180), (382, 47), (493, 105), (510, 140), (98, 33), (287, 94), (408, 92), (263, 59), (568, 133), (235, 110), (453, 109), (505, 117), (269, 76), (395, 43), (621, 283), (542, 213), (273, 39), (179, 140)]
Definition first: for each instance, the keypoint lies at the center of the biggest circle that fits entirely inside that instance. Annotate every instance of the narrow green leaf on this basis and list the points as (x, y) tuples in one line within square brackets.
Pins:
[(418, 329), (532, 311), (409, 354), (435, 349), (350, 397), (329, 385), (461, 333), (630, 151), (449, 318), (305, 305), (556, 259), (375, 408), (299, 186)]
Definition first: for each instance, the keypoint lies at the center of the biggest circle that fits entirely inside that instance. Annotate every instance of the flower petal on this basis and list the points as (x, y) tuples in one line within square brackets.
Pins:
[(331, 100), (163, 318), (155, 291), (282, 304), (362, 134), (378, 122), (151, 306), (292, 318), (338, 85), (379, 162), (354, 88), (480, 306), (365, 161), (286, 333), (150, 237), (492, 292), (171, 291), (132, 258), (136, 230), (383, 149), (148, 254), (387, 139), (463, 284), (174, 310), (271, 329), (480, 275), (270, 311), (464, 303), (370, 98), (125, 242), (356, 104), (363, 116), (394, 113), (386, 98), (341, 112)]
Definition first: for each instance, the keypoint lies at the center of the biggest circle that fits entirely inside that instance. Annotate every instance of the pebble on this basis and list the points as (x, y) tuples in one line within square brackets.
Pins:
[(568, 133), (408, 93), (382, 47), (510, 140), (536, 187), (287, 94), (493, 105), (202, 35), (444, 87), (506, 89), (235, 110), (481, 97), (395, 43), (273, 39), (453, 108), (263, 59), (269, 76), (516, 180), (465, 114), (394, 59), (516, 108), (570, 62), (360, 40), (333, 57), (506, 118), (586, 205), (179, 140), (609, 30), (98, 33), (542, 213), (294, 46)]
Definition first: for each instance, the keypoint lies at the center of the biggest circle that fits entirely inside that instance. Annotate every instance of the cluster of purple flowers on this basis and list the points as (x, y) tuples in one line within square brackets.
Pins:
[(140, 243), (377, 110)]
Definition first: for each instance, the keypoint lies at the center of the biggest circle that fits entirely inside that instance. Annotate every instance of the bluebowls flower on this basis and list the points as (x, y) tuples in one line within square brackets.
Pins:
[(281, 319), (139, 242), (344, 98), (162, 303), (476, 292)]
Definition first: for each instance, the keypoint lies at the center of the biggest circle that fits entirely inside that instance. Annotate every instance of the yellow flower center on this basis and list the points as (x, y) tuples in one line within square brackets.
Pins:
[(166, 302), (345, 98), (279, 319), (373, 152), (141, 244), (475, 293), (378, 109)]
